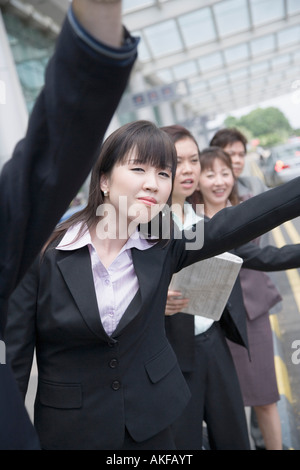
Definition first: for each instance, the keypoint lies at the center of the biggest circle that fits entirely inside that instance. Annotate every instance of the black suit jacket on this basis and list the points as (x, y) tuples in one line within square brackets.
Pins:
[(66, 127), (101, 384), (180, 327)]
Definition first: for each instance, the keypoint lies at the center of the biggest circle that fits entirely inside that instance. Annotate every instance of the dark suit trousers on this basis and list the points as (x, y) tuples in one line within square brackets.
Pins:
[(216, 398)]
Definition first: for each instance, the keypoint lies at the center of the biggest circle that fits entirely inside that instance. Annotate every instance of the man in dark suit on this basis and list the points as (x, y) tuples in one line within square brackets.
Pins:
[(84, 82)]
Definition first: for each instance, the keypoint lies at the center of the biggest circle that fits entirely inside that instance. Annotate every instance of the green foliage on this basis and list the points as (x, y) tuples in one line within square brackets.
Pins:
[(269, 125), (231, 121)]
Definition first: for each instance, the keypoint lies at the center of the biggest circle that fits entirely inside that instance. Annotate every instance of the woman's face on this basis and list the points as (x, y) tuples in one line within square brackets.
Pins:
[(188, 169), (216, 183), (137, 191)]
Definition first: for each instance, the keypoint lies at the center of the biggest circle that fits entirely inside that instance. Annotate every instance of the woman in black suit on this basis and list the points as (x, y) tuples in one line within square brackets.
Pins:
[(92, 306), (200, 344), (83, 87)]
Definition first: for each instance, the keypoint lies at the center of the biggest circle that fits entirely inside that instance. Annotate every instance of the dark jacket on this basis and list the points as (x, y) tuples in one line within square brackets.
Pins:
[(48, 167)]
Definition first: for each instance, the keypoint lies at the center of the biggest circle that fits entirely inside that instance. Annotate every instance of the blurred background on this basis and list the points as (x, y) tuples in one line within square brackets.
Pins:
[(202, 63)]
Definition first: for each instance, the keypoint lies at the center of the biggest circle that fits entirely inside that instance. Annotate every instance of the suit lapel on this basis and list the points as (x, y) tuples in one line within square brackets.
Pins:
[(77, 272), (148, 266)]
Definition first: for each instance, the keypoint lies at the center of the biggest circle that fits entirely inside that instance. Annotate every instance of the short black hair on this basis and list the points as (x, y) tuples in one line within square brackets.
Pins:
[(226, 136)]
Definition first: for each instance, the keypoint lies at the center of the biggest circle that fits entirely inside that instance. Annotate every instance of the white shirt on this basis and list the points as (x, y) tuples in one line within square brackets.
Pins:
[(115, 286), (201, 324)]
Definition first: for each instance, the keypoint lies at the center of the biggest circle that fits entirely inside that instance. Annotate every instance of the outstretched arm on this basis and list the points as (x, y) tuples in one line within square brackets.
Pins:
[(269, 258), (234, 226), (85, 80), (102, 19)]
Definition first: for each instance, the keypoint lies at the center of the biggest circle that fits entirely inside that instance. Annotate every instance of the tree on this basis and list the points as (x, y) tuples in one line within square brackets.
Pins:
[(269, 125)]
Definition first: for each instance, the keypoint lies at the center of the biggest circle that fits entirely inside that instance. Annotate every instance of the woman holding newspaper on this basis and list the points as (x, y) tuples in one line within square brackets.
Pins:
[(199, 342)]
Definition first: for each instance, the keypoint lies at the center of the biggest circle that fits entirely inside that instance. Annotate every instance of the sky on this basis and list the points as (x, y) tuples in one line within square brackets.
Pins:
[(289, 104)]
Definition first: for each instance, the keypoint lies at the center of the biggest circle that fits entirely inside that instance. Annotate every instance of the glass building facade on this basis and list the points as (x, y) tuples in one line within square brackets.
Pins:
[(31, 51)]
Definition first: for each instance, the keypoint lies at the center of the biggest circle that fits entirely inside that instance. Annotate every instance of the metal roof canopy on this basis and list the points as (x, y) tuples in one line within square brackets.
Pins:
[(231, 53)]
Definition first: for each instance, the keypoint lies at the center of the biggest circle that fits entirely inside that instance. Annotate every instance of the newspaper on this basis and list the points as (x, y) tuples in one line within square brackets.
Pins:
[(208, 284)]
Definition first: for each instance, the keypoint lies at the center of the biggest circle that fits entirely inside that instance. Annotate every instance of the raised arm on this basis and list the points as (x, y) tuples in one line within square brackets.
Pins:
[(102, 19), (85, 80)]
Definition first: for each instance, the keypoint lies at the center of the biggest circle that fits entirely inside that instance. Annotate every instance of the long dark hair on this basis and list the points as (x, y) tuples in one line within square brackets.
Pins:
[(152, 146), (207, 157)]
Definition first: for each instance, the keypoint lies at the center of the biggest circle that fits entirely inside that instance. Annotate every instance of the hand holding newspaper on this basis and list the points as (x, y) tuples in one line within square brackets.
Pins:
[(208, 284)]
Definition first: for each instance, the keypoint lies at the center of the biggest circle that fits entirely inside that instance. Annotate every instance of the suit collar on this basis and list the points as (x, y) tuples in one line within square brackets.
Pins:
[(75, 267)]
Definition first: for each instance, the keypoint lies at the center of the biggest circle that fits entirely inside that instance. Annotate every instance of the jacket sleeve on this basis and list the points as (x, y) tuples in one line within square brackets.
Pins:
[(20, 332), (234, 226), (82, 90), (269, 258)]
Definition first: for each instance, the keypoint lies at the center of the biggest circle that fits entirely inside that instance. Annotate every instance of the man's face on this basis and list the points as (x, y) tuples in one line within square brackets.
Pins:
[(237, 154)]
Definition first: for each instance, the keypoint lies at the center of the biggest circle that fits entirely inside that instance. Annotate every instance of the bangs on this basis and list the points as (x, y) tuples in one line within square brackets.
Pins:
[(150, 146), (209, 155)]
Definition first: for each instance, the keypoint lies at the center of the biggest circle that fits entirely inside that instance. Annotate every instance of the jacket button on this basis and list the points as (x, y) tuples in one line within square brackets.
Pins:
[(115, 385), (113, 363)]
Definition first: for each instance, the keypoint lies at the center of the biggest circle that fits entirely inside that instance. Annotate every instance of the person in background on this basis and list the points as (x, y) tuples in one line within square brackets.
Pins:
[(235, 144), (92, 306), (84, 83), (199, 343), (256, 373)]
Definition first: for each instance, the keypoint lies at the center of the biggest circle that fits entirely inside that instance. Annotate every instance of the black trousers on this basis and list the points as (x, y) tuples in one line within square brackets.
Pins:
[(216, 399)]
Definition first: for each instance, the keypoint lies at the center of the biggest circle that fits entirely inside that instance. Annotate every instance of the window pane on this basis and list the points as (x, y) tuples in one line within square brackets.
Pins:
[(198, 87), (262, 45), (296, 56), (236, 53), (143, 50), (163, 38), (165, 75), (210, 61), (238, 74), (293, 6), (136, 4), (184, 70), (257, 69), (281, 60), (31, 50), (264, 11), (257, 83), (218, 81), (289, 36), (231, 16), (197, 27)]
